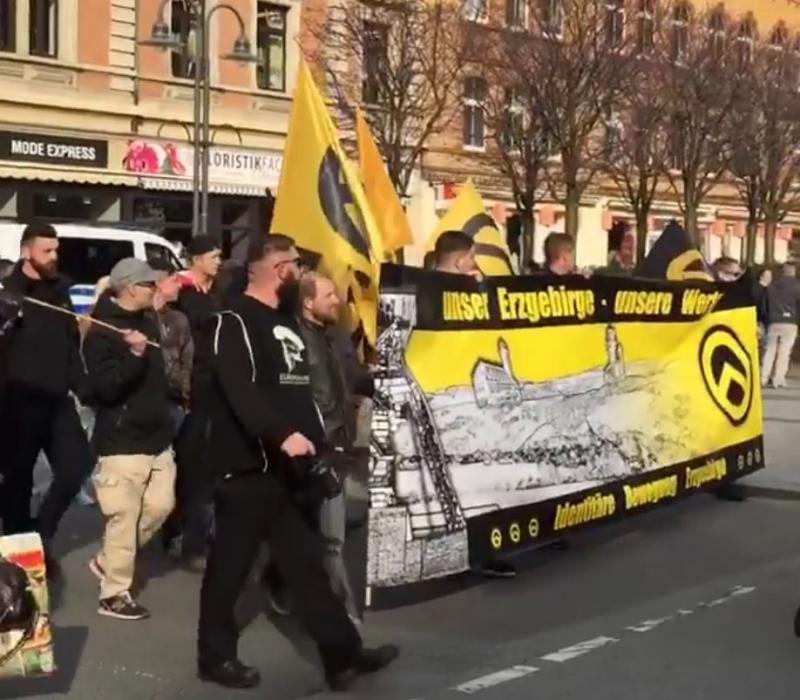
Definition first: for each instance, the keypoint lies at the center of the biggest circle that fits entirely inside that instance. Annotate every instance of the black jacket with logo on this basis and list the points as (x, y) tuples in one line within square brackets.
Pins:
[(43, 347), (131, 393), (263, 390)]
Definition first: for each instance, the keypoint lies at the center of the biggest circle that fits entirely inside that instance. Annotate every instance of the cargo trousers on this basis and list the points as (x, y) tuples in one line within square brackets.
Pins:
[(136, 493)]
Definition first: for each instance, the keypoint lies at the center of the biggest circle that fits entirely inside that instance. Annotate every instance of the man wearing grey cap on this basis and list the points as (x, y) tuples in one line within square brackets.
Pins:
[(133, 431)]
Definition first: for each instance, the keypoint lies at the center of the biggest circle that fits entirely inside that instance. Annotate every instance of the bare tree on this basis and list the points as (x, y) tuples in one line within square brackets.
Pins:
[(637, 147), (701, 87), (401, 60), (571, 67), (766, 138)]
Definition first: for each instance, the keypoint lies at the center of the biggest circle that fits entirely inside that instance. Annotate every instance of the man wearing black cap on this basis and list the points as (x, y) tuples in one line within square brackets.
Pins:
[(42, 366), (198, 303), (133, 431)]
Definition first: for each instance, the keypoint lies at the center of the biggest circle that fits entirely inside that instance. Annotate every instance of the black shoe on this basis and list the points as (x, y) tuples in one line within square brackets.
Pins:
[(797, 624), (498, 569), (367, 661), (231, 674), (122, 607)]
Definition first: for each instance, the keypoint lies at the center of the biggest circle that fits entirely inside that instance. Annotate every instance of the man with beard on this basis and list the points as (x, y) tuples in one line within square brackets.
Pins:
[(265, 431), (336, 378), (38, 414)]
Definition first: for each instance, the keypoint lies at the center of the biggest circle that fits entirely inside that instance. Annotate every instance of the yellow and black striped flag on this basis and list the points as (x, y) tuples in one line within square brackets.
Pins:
[(468, 214), (674, 257), (321, 204)]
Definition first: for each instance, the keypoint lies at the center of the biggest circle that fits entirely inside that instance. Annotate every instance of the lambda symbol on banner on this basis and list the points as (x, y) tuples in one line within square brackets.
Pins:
[(727, 371)]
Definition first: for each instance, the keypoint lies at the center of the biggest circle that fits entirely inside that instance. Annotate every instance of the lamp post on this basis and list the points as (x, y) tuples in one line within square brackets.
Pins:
[(161, 37)]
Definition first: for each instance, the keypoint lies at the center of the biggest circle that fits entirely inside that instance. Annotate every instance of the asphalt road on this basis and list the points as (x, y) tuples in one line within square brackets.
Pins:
[(694, 601), (691, 602)]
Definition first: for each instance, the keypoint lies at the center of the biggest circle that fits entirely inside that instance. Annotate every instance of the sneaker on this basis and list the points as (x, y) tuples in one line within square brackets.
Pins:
[(122, 607), (97, 569)]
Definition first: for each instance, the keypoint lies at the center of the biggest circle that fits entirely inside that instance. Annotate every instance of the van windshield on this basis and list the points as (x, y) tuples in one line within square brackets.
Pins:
[(86, 260), (159, 255)]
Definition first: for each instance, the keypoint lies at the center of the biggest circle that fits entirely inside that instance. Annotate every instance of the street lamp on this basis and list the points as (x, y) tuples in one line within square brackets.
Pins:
[(161, 37)]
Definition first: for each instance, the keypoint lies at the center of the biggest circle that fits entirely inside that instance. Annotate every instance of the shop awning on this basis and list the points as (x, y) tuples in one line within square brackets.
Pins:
[(67, 175), (183, 185)]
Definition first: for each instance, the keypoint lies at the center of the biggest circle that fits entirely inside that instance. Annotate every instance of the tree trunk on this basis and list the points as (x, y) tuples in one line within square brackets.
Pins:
[(528, 241), (770, 229), (572, 203), (750, 241), (641, 234), (690, 224)]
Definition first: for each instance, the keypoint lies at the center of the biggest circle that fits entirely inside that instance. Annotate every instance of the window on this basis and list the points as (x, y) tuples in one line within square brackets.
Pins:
[(271, 44), (474, 122), (62, 204), (8, 25), (613, 133), (677, 145), (513, 133), (86, 260), (168, 216), (184, 59), (476, 10), (517, 13), (744, 43), (716, 28), (43, 27), (376, 59), (679, 39), (779, 37), (645, 27), (160, 255), (551, 14), (615, 22)]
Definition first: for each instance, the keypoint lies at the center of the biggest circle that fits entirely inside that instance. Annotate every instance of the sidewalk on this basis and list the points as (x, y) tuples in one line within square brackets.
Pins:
[(781, 476)]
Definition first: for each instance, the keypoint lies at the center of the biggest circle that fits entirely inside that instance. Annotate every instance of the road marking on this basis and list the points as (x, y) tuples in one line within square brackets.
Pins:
[(648, 625), (568, 653), (493, 679), (730, 595)]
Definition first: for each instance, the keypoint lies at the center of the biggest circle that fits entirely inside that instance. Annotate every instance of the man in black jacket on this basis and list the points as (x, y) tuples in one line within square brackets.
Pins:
[(265, 429), (133, 431), (42, 365), (198, 302)]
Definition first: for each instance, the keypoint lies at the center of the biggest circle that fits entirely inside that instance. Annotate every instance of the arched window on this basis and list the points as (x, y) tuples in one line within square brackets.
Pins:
[(645, 26), (745, 37), (717, 27)]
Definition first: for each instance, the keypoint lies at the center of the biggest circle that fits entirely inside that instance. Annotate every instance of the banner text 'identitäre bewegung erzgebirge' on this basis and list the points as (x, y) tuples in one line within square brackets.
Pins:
[(519, 409)]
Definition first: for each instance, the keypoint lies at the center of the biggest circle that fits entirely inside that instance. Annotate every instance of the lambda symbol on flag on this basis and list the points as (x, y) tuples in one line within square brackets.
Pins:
[(727, 371), (338, 205)]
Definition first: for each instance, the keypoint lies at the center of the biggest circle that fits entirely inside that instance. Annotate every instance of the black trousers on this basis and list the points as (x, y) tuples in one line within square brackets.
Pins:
[(193, 514), (30, 424), (251, 509)]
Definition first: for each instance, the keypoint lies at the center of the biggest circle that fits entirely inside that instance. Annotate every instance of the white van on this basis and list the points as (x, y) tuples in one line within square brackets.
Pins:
[(87, 253)]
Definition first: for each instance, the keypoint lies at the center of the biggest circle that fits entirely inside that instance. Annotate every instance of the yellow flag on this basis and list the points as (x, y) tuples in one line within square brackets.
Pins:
[(322, 206), (468, 214), (381, 194)]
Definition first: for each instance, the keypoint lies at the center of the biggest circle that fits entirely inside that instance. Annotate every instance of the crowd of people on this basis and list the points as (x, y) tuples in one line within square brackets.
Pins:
[(224, 402)]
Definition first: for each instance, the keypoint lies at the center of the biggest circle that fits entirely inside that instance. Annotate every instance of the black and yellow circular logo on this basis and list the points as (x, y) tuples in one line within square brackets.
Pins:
[(727, 371)]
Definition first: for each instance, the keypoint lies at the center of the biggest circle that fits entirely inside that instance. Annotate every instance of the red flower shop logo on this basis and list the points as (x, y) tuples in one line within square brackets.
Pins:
[(153, 159)]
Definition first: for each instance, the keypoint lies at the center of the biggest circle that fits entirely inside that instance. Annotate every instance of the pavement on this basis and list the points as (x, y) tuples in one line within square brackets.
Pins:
[(781, 477), (692, 601)]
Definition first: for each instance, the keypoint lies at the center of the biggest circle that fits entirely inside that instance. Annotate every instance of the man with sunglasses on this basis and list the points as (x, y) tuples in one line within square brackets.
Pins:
[(265, 433), (133, 431)]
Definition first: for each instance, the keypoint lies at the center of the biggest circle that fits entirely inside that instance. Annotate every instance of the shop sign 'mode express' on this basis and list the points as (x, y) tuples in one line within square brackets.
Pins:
[(53, 150)]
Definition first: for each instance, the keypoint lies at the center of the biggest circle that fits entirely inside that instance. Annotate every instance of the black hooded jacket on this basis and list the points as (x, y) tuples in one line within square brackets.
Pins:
[(131, 393), (43, 347)]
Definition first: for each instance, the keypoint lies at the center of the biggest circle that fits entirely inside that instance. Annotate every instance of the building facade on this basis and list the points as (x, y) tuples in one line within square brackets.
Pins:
[(463, 151), (96, 127)]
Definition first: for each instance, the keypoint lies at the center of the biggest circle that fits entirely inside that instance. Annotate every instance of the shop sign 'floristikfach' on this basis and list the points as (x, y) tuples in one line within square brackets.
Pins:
[(517, 410)]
